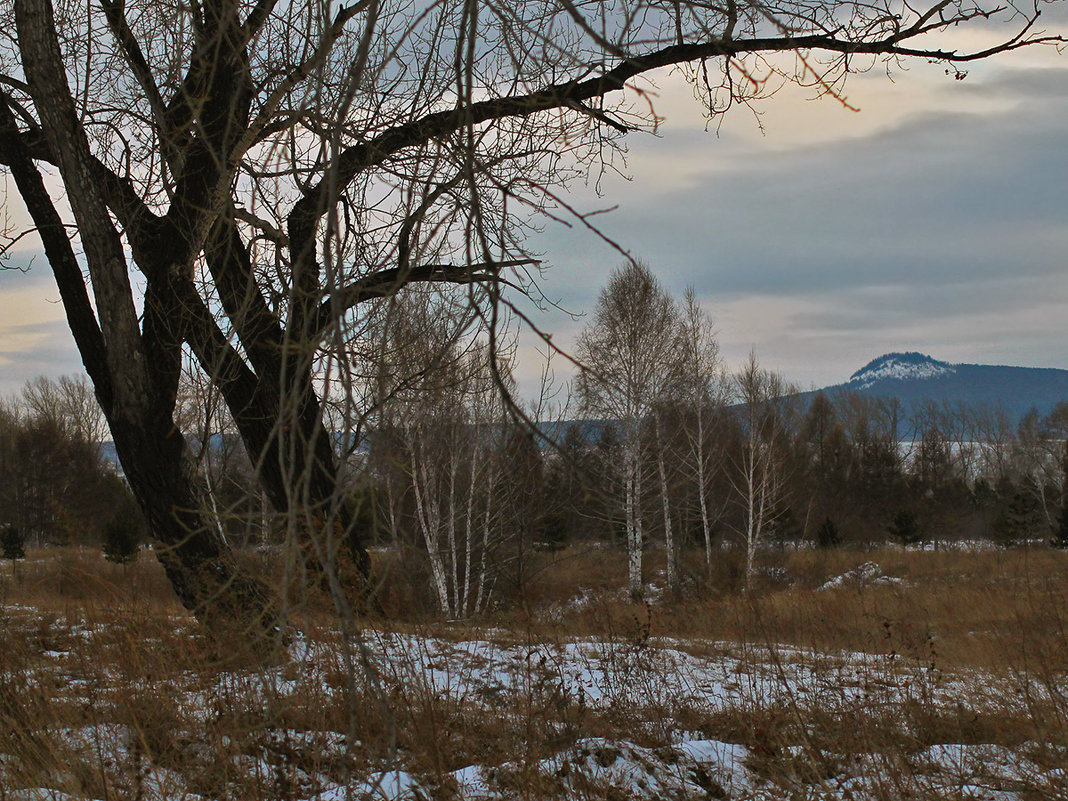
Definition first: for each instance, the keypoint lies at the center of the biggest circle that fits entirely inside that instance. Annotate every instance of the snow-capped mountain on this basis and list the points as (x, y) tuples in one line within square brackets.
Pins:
[(914, 378), (899, 367)]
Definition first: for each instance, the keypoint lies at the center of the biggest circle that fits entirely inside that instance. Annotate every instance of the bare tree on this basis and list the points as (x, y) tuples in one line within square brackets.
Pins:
[(54, 482), (439, 404), (629, 358), (268, 170), (760, 472), (991, 431), (704, 391), (69, 401), (1037, 459)]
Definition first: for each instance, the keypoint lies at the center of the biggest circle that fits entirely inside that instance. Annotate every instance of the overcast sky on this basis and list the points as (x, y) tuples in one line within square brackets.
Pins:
[(935, 219)]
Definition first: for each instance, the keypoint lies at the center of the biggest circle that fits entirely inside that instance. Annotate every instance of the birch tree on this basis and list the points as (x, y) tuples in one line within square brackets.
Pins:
[(454, 450), (760, 468), (440, 408), (628, 354), (703, 396)]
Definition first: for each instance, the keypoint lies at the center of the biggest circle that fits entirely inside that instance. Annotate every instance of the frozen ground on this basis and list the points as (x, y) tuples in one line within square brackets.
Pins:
[(679, 719)]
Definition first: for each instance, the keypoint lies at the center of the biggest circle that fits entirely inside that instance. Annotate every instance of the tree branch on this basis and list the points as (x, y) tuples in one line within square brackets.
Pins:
[(387, 282), (365, 155), (46, 76), (115, 14)]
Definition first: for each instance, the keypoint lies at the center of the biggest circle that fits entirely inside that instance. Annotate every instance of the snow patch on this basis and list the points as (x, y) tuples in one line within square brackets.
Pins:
[(592, 766), (862, 575)]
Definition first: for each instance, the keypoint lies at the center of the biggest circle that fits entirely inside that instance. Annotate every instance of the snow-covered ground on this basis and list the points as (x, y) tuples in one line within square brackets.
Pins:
[(678, 719)]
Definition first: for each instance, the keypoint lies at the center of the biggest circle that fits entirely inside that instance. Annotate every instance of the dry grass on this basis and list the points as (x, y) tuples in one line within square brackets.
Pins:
[(92, 647), (998, 610), (995, 610)]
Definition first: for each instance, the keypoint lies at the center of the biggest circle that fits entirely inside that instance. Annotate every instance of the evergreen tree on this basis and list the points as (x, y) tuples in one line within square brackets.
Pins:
[(13, 543), (827, 535), (121, 540), (367, 506), (786, 529), (124, 531), (1019, 515), (905, 528), (1060, 533)]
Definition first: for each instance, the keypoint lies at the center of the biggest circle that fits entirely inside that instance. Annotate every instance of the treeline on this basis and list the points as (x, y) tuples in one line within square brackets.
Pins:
[(654, 446), (56, 486)]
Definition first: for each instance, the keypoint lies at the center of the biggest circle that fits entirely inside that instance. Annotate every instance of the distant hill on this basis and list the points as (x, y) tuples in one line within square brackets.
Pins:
[(915, 377)]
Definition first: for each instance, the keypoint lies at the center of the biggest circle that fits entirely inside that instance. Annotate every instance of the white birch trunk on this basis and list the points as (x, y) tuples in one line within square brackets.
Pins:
[(469, 531), (665, 501), (483, 572), (751, 530), (430, 523), (454, 574), (215, 515), (706, 525), (634, 520)]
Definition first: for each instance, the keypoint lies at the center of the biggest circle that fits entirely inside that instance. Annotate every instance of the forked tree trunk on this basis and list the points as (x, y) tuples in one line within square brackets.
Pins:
[(132, 370), (197, 561)]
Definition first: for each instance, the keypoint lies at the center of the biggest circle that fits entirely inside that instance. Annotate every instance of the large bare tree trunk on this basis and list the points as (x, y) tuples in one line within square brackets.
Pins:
[(134, 370)]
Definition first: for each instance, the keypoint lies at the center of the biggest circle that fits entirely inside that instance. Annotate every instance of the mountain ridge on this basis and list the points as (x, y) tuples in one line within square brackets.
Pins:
[(914, 378)]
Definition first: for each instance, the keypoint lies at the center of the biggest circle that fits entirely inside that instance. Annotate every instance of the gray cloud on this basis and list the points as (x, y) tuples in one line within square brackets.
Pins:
[(53, 353)]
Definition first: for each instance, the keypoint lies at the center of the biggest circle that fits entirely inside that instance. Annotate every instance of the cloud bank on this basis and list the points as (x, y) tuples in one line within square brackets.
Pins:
[(937, 223)]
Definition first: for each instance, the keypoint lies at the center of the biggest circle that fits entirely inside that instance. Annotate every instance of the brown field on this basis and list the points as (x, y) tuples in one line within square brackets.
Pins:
[(110, 690)]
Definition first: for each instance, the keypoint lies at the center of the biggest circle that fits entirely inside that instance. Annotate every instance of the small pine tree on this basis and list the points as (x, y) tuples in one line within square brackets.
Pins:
[(984, 495), (553, 530), (367, 518), (122, 536), (1060, 534), (13, 543), (827, 535), (905, 528), (786, 529), (1019, 515)]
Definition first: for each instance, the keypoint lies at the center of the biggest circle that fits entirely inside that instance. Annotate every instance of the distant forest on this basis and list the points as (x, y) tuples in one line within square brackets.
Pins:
[(971, 475), (682, 459)]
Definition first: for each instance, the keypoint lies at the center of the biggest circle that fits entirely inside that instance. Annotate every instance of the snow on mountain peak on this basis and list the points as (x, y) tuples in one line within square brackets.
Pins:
[(899, 366)]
